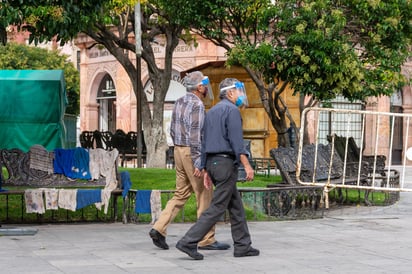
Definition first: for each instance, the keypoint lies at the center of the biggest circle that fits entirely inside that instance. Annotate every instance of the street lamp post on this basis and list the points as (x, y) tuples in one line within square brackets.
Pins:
[(138, 38)]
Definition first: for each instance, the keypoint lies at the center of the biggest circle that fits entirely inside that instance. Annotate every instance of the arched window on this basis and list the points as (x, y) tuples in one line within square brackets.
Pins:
[(106, 98)]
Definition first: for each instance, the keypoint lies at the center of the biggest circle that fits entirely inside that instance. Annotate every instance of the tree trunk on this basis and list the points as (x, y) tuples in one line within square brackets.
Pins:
[(159, 75), (275, 107), (156, 147), (152, 120)]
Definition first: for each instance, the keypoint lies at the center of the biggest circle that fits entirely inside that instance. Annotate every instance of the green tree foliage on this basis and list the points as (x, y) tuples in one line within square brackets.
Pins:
[(321, 48), (49, 18), (15, 56), (110, 23), (328, 48)]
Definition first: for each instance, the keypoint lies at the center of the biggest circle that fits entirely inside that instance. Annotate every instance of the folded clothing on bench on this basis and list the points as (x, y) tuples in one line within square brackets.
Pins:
[(41, 159), (73, 163)]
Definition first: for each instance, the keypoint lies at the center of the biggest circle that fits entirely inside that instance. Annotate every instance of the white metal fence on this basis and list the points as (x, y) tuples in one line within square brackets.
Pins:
[(372, 168)]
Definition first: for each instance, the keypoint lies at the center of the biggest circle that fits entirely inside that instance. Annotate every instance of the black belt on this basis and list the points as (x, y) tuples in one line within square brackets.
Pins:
[(224, 155)]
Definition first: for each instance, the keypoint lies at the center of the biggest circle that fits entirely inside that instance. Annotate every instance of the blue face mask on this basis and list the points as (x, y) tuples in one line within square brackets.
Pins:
[(240, 101)]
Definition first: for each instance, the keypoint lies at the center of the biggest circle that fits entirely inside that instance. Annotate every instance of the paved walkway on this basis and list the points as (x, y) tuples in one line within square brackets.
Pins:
[(347, 240)]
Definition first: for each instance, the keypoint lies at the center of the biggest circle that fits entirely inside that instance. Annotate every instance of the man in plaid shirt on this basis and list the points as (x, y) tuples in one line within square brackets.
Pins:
[(185, 130)]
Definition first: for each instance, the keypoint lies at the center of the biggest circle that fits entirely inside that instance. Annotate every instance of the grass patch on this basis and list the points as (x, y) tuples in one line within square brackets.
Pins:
[(161, 179), (357, 197), (165, 179)]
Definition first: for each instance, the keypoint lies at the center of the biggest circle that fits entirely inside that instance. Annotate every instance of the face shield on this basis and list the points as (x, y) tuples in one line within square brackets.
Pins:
[(208, 92), (241, 100)]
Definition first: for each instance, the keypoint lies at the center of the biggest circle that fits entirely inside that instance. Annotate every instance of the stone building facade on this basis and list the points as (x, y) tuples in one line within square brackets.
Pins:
[(108, 102)]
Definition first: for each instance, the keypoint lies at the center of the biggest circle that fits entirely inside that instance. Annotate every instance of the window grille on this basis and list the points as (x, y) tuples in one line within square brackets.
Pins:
[(335, 123)]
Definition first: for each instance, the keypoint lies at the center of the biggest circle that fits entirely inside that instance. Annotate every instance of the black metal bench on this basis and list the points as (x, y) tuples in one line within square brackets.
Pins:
[(17, 175), (264, 165), (125, 143), (329, 167), (353, 154), (286, 161)]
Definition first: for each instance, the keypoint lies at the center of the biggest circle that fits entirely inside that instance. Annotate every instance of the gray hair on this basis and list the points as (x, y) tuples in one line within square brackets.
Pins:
[(191, 80), (226, 83)]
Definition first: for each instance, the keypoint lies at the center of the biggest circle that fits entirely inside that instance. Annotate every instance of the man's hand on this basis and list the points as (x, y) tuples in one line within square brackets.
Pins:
[(248, 168), (197, 173), (207, 182), (249, 173)]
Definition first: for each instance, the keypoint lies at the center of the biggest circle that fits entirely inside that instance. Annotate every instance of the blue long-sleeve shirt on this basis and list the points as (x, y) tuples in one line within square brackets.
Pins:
[(222, 131)]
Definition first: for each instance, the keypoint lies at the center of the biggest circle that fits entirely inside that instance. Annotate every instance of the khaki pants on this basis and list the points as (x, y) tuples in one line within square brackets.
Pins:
[(186, 184)]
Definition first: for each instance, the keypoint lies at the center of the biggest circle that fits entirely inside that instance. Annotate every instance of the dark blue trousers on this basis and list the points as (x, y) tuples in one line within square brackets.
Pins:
[(223, 173)]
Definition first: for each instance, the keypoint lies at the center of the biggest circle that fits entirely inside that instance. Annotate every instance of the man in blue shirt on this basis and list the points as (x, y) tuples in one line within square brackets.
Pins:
[(222, 152), (185, 129)]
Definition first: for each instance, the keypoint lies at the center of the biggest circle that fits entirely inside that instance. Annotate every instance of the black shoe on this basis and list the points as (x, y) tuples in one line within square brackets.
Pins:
[(215, 246), (158, 239), (251, 252), (191, 252)]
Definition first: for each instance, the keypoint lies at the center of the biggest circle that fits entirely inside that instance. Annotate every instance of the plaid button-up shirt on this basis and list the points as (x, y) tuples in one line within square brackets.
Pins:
[(187, 123)]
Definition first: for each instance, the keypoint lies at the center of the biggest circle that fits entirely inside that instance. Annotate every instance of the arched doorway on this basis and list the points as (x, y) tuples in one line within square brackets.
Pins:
[(106, 98)]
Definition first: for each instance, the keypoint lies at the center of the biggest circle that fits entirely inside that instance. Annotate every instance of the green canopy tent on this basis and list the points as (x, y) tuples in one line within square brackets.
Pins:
[(32, 106)]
